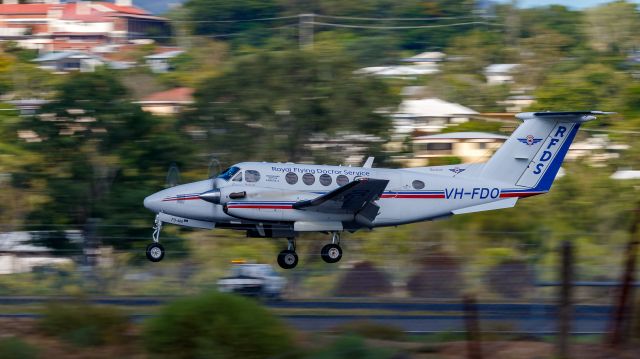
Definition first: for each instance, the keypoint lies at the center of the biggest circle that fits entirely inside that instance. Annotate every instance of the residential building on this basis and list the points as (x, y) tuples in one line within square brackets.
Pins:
[(161, 62), (468, 147), (50, 25), (498, 74), (429, 116), (66, 61), (18, 255), (626, 174), (167, 103)]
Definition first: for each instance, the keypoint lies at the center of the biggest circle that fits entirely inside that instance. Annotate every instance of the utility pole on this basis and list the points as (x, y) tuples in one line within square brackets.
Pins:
[(474, 344), (623, 308), (565, 304), (305, 30)]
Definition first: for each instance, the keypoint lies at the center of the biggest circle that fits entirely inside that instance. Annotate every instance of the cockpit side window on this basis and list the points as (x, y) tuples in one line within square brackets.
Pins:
[(229, 172), (238, 177)]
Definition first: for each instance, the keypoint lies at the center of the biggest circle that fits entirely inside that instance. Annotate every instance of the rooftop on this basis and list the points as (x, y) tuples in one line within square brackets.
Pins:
[(432, 107), (176, 95)]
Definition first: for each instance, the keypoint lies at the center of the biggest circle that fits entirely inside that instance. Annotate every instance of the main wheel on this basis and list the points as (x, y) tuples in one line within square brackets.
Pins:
[(287, 259), (331, 253), (155, 252)]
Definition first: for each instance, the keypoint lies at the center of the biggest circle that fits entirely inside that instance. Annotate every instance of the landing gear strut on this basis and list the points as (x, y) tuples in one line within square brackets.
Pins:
[(155, 251), (332, 253), (288, 258)]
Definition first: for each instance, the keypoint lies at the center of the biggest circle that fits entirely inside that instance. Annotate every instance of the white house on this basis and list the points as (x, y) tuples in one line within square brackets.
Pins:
[(18, 256), (498, 74), (429, 115), (469, 147), (65, 61), (159, 63)]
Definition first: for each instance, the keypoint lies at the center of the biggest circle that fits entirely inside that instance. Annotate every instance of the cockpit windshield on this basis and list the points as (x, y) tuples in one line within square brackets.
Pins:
[(228, 173)]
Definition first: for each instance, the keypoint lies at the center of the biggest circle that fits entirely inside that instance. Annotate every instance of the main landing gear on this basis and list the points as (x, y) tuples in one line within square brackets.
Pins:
[(288, 258), (155, 251), (332, 253)]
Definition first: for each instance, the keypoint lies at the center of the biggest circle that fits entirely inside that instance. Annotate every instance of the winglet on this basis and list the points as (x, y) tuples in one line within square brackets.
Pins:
[(368, 163)]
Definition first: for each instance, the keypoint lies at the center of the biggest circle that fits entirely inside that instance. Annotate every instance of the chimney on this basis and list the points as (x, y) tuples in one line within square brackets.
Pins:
[(124, 3)]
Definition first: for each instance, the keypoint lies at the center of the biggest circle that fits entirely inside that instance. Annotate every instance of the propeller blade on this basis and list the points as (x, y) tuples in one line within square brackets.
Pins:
[(173, 176)]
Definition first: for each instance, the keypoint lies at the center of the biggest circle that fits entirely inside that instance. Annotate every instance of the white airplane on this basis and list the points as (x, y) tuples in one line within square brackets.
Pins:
[(282, 200)]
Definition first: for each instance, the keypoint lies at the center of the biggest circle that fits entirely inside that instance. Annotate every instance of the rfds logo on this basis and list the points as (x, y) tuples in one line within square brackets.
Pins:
[(530, 140), (548, 152)]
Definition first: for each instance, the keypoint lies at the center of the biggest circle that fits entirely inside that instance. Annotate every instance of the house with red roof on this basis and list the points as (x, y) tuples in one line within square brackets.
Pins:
[(52, 25), (167, 103)]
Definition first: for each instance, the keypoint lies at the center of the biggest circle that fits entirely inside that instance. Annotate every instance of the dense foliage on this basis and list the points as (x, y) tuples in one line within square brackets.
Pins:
[(215, 325)]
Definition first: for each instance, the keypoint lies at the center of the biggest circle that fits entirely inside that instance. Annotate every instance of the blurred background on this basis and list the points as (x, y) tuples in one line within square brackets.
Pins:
[(103, 103)]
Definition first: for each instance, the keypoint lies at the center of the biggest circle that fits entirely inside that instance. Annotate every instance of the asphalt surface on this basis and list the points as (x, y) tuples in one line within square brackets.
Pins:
[(418, 317)]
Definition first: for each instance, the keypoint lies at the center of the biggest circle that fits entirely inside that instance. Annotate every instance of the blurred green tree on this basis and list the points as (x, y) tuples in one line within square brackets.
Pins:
[(99, 154), (613, 26), (266, 106)]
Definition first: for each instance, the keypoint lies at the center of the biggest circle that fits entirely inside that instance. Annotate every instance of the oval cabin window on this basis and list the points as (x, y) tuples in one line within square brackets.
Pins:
[(291, 178), (308, 179), (342, 180), (325, 179), (417, 184)]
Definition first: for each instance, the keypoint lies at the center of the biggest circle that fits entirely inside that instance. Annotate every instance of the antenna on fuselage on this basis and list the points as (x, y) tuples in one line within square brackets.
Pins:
[(368, 163)]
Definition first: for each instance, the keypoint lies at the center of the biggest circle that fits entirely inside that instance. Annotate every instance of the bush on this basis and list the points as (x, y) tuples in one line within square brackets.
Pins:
[(512, 279), (364, 279), (216, 325), (352, 347), (439, 276), (14, 348), (83, 324)]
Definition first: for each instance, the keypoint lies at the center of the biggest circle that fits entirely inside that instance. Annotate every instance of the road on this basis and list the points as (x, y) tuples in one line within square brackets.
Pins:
[(418, 317)]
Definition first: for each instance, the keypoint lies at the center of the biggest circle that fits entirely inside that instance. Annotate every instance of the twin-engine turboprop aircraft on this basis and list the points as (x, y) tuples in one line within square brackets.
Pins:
[(281, 200)]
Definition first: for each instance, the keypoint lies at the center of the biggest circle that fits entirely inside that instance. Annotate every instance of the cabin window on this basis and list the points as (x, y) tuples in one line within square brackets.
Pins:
[(238, 177), (417, 184), (342, 180), (252, 176), (308, 179), (325, 179), (291, 178)]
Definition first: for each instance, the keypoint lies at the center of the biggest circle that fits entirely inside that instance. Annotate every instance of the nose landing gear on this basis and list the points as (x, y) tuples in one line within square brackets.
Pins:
[(155, 251), (332, 252), (288, 258)]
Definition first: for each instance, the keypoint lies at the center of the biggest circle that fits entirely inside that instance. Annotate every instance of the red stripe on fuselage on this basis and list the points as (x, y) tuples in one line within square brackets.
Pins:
[(412, 196), (254, 206), (180, 199)]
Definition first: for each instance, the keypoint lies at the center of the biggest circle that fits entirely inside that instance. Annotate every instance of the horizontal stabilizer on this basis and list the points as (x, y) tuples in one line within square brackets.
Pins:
[(567, 116)]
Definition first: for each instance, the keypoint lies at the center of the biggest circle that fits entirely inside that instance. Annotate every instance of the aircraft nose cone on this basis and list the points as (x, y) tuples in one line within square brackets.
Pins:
[(153, 202)]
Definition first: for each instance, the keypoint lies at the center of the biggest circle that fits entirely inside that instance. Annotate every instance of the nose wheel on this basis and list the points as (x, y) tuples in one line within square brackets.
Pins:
[(155, 250), (332, 252), (288, 259)]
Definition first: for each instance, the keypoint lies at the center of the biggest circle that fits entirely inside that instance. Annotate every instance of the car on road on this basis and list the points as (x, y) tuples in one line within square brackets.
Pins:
[(253, 279)]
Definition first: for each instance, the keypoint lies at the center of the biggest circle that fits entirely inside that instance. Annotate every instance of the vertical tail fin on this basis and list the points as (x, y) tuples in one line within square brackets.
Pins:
[(531, 157)]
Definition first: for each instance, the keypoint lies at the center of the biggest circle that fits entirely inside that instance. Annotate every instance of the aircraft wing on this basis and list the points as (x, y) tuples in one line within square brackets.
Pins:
[(356, 197)]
